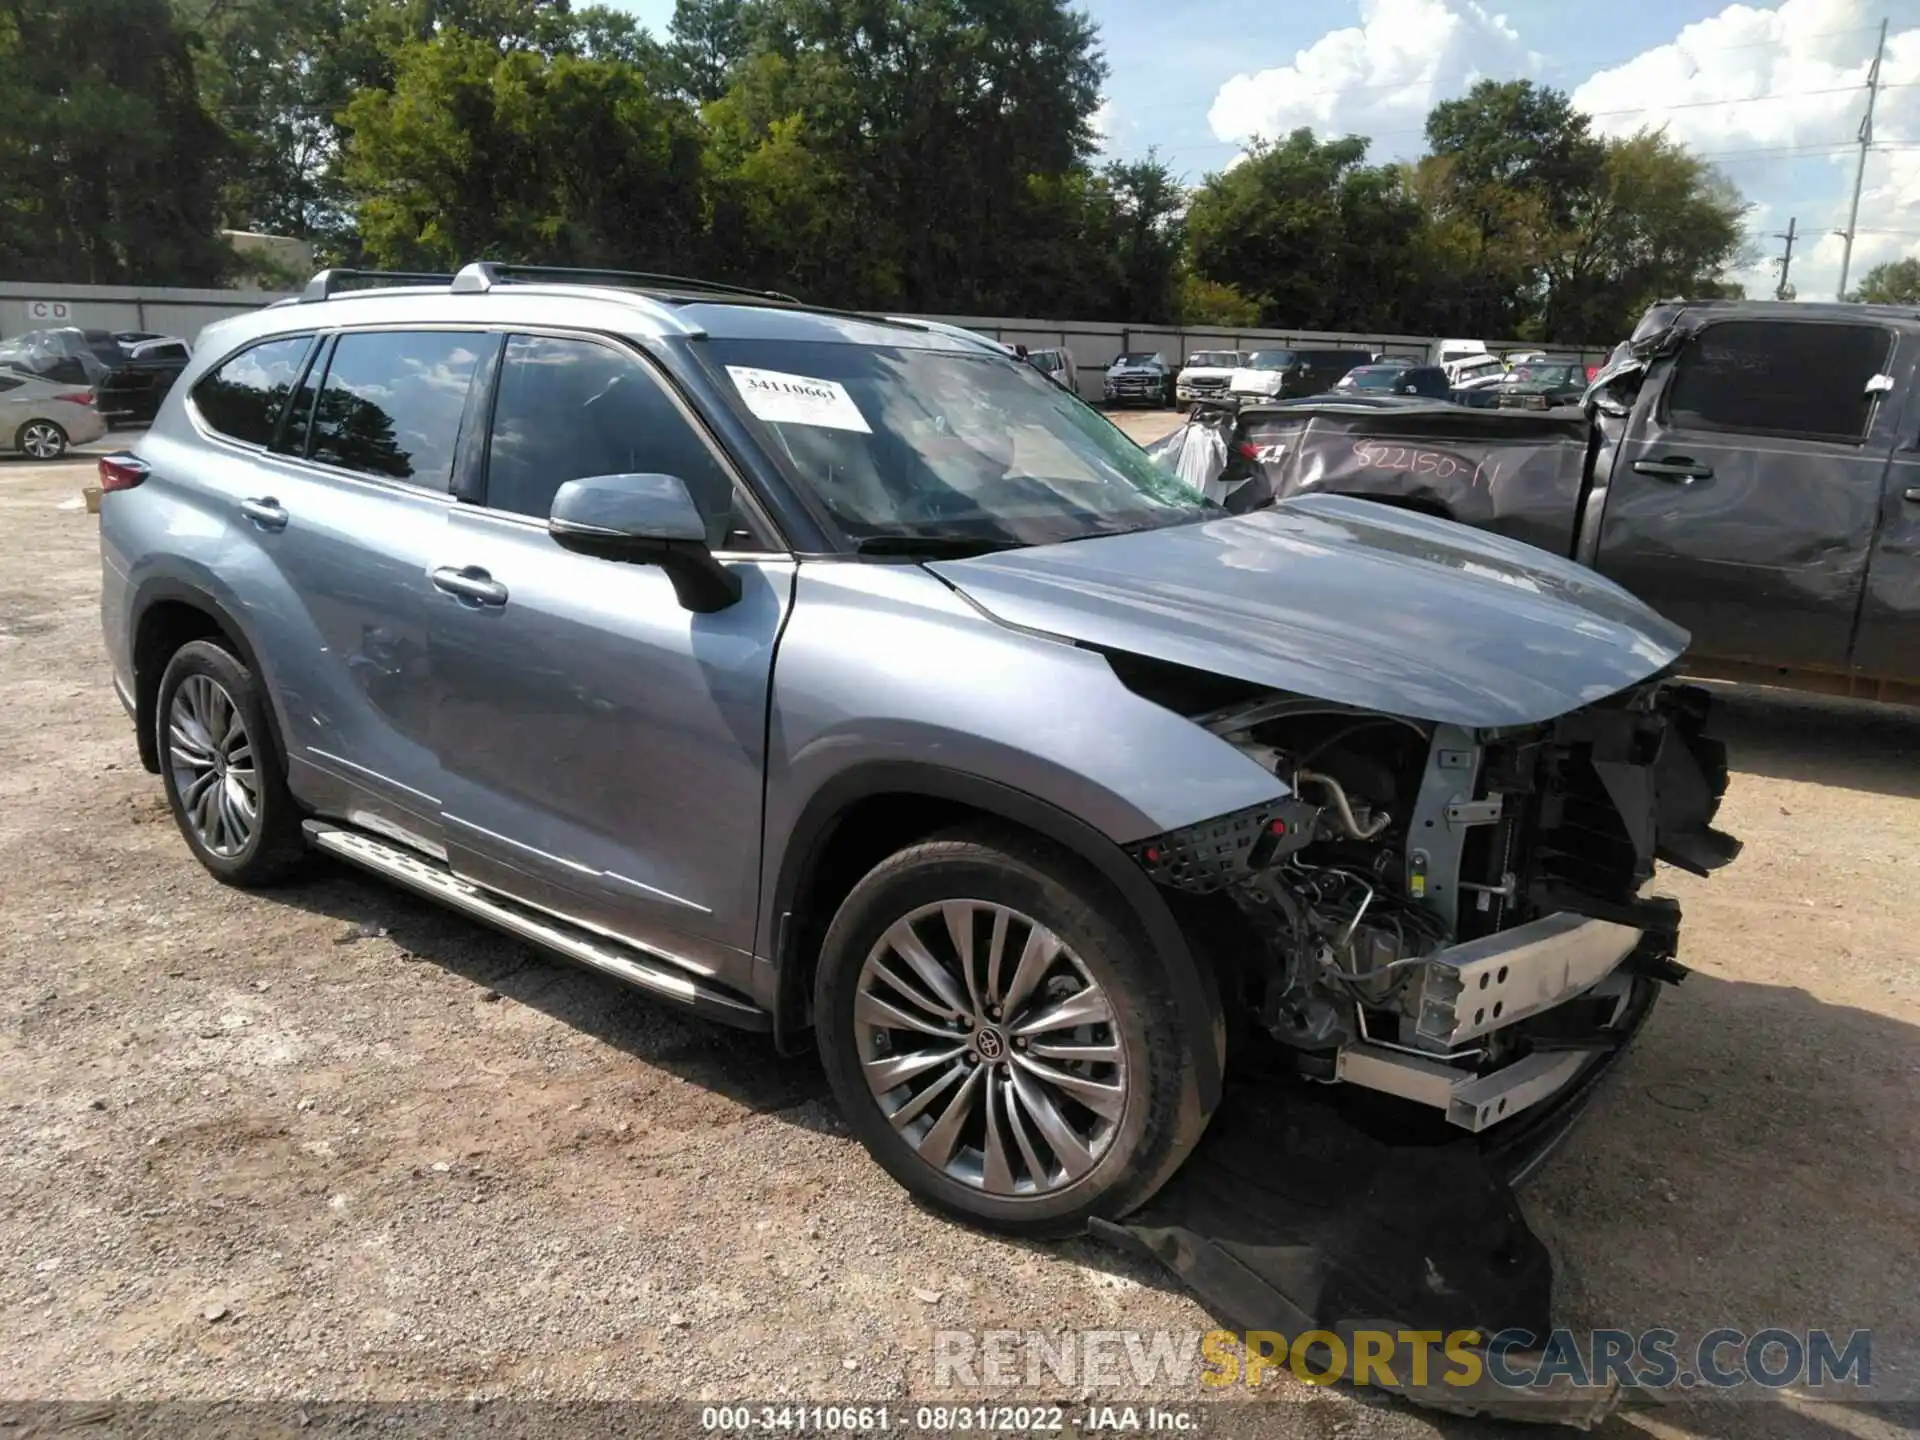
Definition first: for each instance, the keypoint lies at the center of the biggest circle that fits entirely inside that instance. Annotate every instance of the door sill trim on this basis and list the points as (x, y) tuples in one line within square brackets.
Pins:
[(643, 970)]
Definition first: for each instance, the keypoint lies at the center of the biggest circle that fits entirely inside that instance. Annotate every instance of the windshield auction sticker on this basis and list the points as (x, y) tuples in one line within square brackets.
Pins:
[(782, 399)]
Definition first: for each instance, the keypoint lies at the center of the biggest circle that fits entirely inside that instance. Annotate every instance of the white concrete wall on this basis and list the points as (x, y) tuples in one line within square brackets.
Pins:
[(29, 306)]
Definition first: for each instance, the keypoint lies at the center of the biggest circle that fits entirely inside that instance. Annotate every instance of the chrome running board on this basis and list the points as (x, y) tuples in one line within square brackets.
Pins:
[(437, 882)]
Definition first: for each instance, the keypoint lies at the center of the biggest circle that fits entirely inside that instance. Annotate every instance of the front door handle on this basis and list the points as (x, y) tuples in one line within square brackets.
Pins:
[(265, 511), (470, 584), (1912, 496), (1676, 468)]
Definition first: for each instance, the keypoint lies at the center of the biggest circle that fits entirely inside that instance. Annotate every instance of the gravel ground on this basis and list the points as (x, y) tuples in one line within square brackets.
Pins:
[(335, 1143)]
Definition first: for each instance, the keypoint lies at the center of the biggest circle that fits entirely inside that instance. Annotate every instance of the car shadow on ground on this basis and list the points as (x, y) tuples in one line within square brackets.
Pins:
[(739, 1064), (1820, 740), (1691, 1198), (1749, 1164)]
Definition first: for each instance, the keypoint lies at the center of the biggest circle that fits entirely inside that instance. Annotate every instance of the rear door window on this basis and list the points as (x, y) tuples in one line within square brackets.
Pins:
[(1778, 377), (392, 401), (243, 398)]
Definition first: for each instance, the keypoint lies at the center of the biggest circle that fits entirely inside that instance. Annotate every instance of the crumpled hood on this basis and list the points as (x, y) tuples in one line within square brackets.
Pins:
[(1342, 600)]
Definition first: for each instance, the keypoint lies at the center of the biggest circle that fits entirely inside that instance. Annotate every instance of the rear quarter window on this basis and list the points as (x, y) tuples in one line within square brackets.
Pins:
[(244, 397)]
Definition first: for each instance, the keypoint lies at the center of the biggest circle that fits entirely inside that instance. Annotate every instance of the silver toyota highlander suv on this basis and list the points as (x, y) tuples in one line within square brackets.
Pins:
[(823, 673)]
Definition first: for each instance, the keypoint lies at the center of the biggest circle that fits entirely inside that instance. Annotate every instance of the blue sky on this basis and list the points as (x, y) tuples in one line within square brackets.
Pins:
[(1772, 93)]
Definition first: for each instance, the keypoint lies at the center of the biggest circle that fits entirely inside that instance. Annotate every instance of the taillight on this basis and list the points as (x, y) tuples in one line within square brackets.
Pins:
[(121, 472), (77, 397)]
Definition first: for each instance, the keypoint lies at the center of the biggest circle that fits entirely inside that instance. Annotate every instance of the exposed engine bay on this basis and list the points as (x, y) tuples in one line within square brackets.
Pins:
[(1447, 915)]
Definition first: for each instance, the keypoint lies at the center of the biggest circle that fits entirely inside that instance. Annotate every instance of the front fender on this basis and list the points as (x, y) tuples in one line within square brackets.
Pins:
[(886, 663), (888, 682)]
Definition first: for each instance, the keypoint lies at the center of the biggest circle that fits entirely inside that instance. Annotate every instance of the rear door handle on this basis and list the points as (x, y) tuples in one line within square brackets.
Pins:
[(1912, 496), (471, 584), (1676, 468), (265, 511)]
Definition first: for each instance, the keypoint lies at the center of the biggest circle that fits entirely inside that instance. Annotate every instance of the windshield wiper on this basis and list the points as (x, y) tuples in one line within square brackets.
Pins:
[(937, 547)]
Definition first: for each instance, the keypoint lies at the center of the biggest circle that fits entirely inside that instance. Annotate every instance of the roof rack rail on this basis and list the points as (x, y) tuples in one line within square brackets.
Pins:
[(329, 283), (483, 275)]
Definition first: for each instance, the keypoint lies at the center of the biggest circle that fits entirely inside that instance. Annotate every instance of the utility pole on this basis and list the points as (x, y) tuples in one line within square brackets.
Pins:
[(1860, 168), (1785, 291)]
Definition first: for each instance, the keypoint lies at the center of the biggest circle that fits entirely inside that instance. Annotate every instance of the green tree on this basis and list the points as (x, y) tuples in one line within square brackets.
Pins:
[(1656, 222), (1510, 165), (1148, 231), (1897, 282), (1207, 302), (108, 162), (268, 72), (1310, 231), (710, 37), (518, 155), (279, 74), (926, 122)]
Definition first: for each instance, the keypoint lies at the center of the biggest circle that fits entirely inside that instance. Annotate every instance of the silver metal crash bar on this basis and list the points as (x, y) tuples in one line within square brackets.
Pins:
[(1489, 983), (1485, 985)]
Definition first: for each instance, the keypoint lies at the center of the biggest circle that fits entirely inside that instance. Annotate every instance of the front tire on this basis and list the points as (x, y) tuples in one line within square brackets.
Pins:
[(41, 440), (1002, 1046), (224, 777)]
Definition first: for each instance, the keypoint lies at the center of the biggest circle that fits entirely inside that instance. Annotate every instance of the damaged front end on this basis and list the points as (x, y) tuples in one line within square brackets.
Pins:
[(1449, 915)]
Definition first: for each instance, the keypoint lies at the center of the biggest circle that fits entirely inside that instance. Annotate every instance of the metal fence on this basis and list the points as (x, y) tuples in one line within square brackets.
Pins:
[(1093, 343)]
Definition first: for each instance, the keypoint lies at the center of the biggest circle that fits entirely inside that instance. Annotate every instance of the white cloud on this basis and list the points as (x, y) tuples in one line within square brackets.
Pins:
[(1102, 121), (1809, 59), (1792, 152), (1379, 78)]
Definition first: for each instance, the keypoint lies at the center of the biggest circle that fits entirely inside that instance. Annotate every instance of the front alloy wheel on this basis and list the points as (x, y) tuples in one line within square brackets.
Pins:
[(990, 1047), (1002, 1038), (43, 440)]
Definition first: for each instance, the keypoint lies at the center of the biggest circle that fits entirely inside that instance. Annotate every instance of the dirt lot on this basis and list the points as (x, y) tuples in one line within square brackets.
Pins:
[(336, 1143)]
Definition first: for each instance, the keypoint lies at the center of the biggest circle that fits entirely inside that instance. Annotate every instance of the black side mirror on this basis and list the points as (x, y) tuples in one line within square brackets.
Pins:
[(647, 520)]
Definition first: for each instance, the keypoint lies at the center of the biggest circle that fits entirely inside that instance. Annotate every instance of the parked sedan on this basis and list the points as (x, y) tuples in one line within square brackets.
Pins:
[(40, 418)]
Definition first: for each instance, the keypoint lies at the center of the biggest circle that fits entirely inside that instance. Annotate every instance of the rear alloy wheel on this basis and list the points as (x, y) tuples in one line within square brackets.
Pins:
[(998, 1042), (222, 770), (42, 439)]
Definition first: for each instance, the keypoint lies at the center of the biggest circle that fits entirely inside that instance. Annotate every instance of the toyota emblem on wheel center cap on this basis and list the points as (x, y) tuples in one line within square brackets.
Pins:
[(990, 1045)]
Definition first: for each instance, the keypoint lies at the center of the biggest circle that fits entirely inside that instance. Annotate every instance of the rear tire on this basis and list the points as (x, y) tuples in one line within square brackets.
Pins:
[(41, 440), (225, 779), (1029, 1095)]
